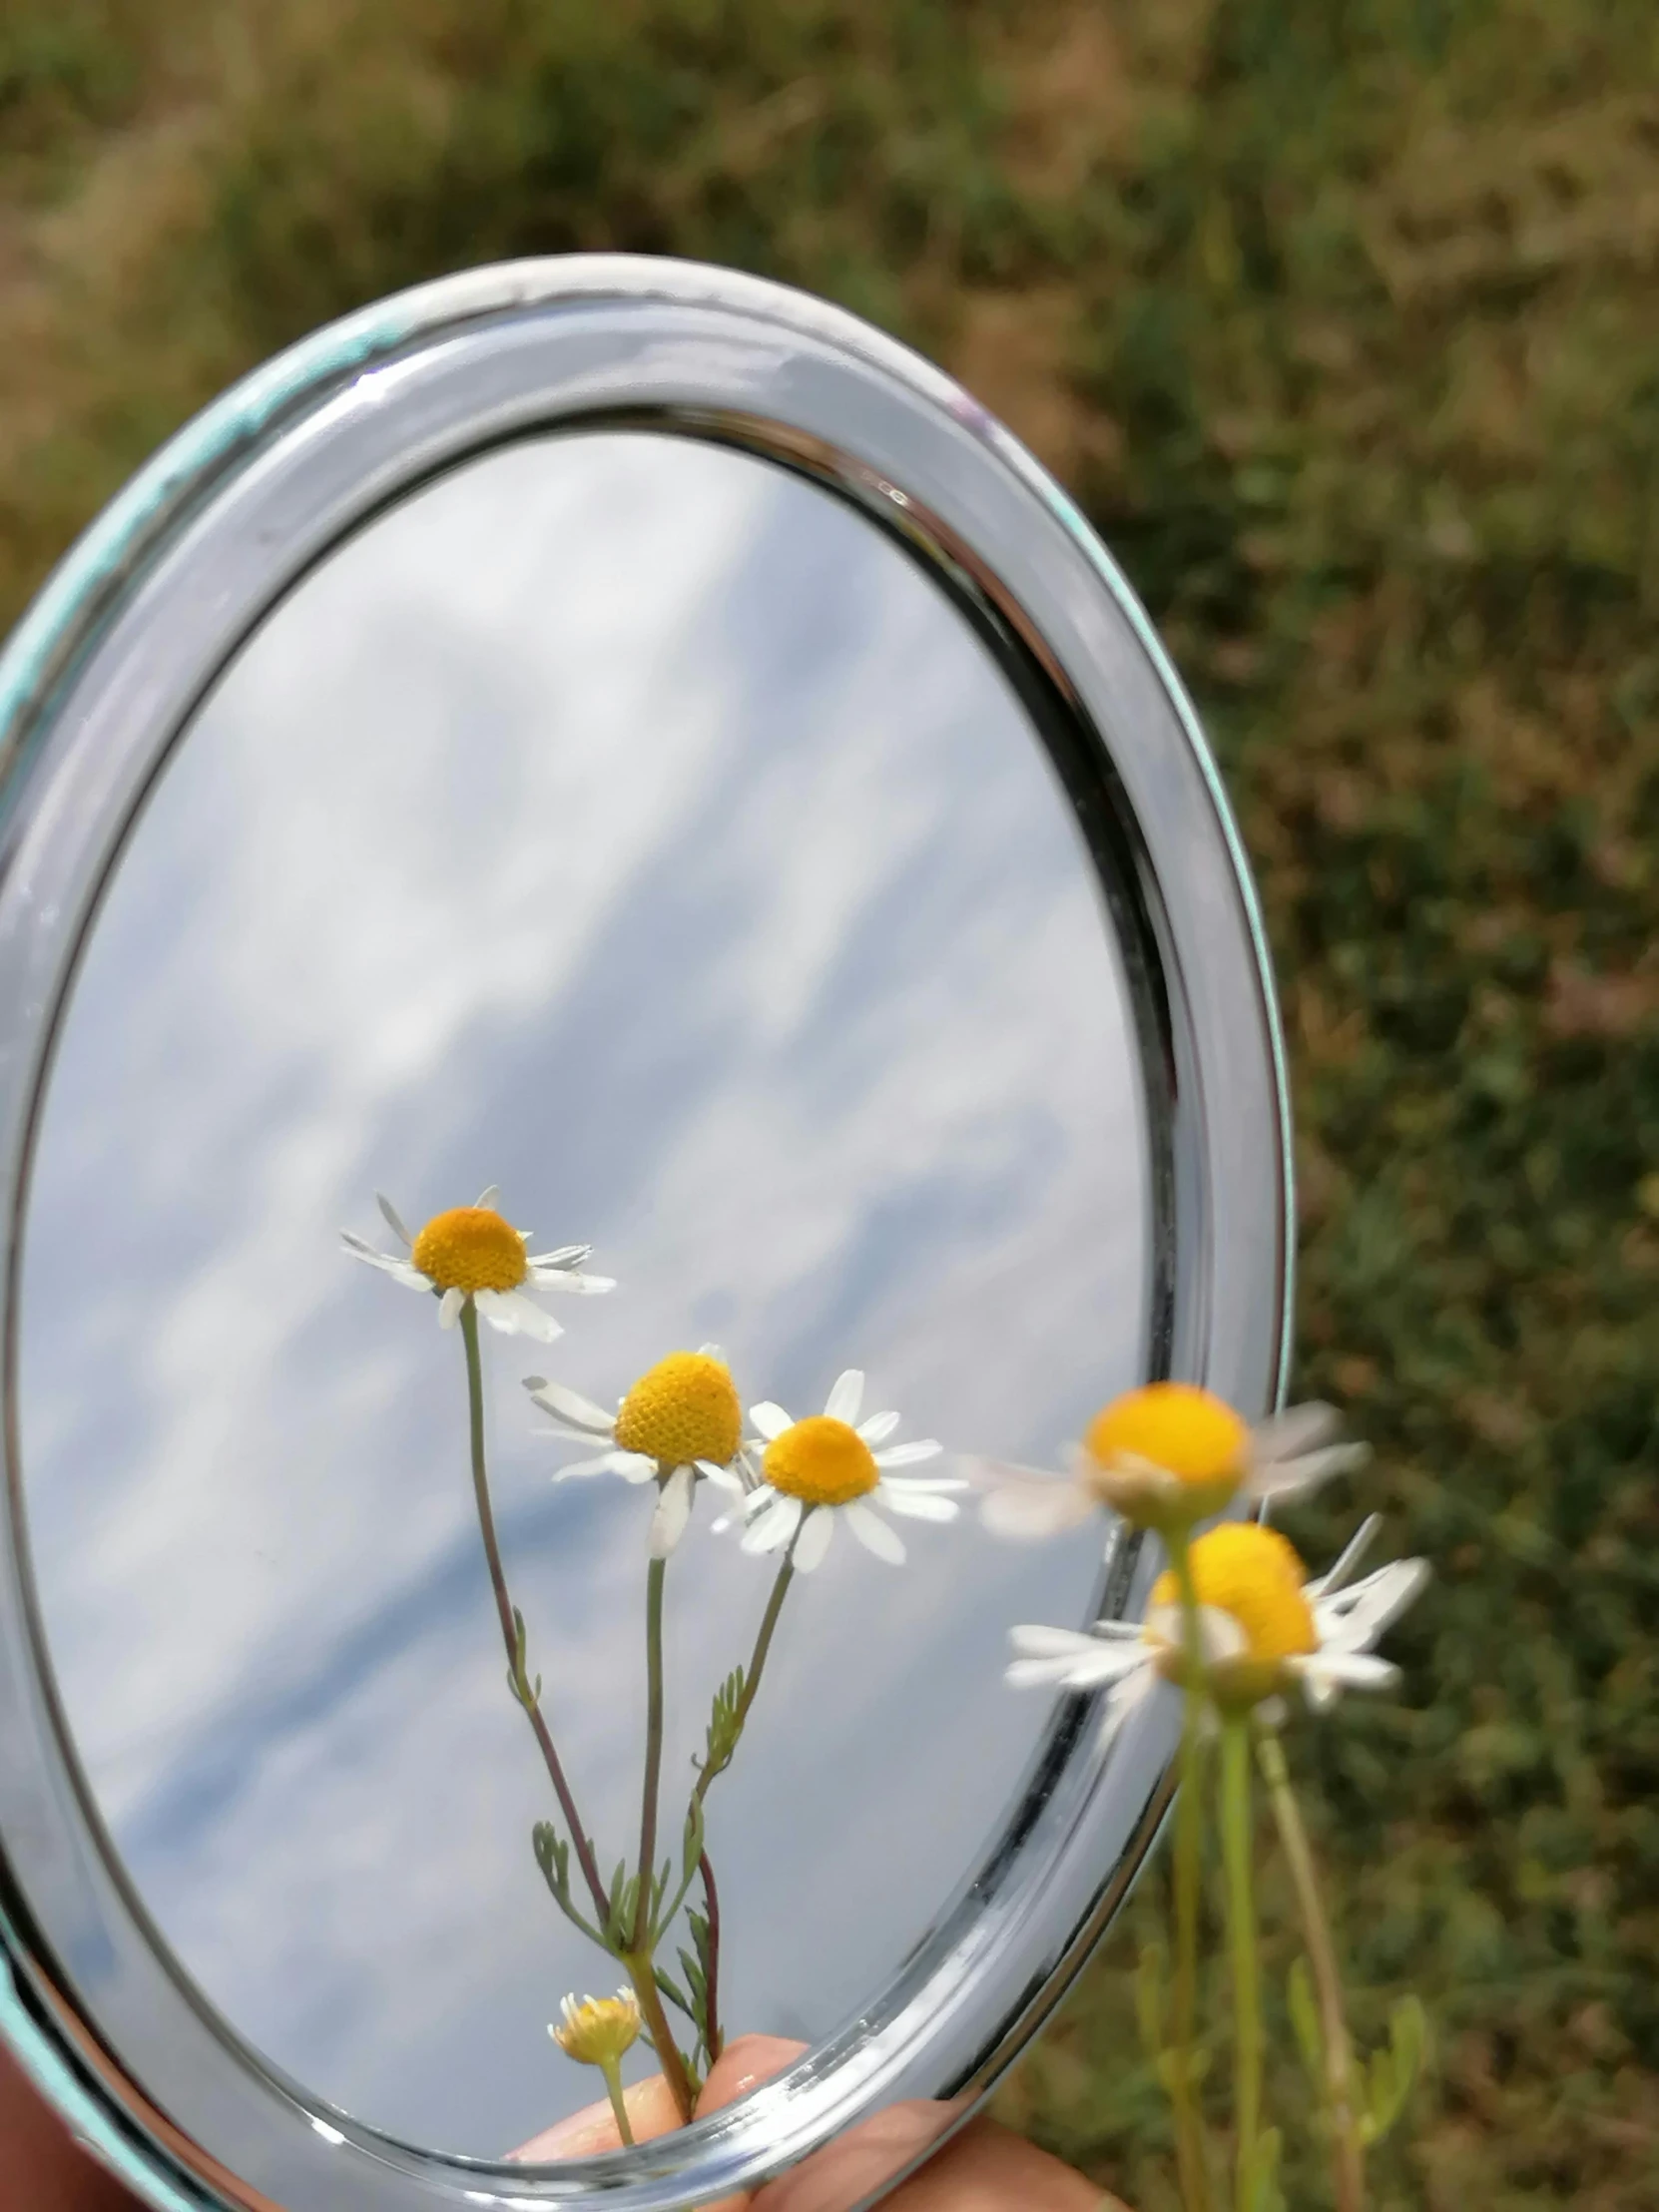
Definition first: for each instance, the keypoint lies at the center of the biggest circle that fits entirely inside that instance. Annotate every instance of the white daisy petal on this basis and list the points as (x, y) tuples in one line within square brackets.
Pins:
[(1035, 1641), (772, 1529), (1132, 1691), (1297, 1429), (668, 1522), (909, 1456), (1353, 1670), (875, 1534), (813, 1541), (758, 1498), (1353, 1619), (603, 1465), (1220, 1634), (916, 1505), (569, 1406), (450, 1308), (1034, 1507), (633, 1466), (1340, 1571), (1297, 1477), (847, 1394), (769, 1420), (517, 1316), (566, 1278), (713, 1351), (389, 1211), (1035, 1674), (723, 1479), (490, 1197), (877, 1428), (1083, 1670), (399, 1270), (567, 1256)]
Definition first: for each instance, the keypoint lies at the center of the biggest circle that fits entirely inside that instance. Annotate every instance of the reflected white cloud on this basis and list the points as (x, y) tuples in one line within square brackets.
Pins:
[(626, 821)]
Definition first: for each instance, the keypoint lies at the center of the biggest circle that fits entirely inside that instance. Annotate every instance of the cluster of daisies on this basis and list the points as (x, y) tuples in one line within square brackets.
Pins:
[(788, 1483), (1234, 1623), (1164, 1457), (1167, 1457)]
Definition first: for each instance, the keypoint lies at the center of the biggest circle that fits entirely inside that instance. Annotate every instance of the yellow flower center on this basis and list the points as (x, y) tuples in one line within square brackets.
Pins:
[(1188, 1432), (598, 2030), (470, 1249), (1254, 1576), (821, 1462), (683, 1408)]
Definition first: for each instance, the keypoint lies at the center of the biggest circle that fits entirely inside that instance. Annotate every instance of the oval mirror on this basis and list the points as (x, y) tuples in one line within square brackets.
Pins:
[(628, 796)]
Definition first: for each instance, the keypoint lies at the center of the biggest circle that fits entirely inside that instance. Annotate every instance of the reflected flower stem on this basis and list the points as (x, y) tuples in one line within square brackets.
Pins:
[(639, 1958), (713, 2039), (714, 2042), (1189, 1845), (510, 1629), (613, 2087), (751, 1674), (1347, 2143), (1238, 1860), (655, 1574)]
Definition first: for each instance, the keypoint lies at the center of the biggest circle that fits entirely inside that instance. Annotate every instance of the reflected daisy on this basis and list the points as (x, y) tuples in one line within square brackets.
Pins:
[(1168, 1456), (680, 1419), (598, 2031), (470, 1252), (1263, 1629), (829, 1466)]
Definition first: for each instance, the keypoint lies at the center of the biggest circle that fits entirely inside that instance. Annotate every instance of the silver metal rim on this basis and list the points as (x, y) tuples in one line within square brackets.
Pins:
[(94, 689)]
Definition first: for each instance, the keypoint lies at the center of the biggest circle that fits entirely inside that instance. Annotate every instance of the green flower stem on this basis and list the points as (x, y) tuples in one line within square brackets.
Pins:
[(654, 1578), (509, 1626), (613, 2083), (640, 1962), (751, 1674), (713, 2039), (714, 2042), (1238, 1857), (643, 1974), (1347, 2148), (1188, 1848)]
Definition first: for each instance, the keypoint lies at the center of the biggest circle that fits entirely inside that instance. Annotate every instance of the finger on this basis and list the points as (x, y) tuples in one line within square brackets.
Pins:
[(983, 2169), (650, 2111), (986, 2169), (855, 2165), (743, 2064)]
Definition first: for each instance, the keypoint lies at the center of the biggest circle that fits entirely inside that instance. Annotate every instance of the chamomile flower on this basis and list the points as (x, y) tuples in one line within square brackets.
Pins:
[(472, 1252), (598, 2031), (834, 1466), (1263, 1627), (682, 1419), (1166, 1456)]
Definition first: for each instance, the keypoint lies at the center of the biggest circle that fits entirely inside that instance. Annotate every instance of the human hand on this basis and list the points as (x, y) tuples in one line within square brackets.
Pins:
[(42, 2168), (984, 2169)]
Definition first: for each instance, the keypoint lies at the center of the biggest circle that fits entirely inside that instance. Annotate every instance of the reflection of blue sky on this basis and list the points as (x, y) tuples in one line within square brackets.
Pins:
[(627, 823)]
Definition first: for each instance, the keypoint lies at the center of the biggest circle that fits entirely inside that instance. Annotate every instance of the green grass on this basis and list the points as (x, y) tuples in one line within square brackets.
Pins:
[(1342, 316)]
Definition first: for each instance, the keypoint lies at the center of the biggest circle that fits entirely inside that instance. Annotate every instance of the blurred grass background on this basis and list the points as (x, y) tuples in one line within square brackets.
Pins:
[(1342, 319)]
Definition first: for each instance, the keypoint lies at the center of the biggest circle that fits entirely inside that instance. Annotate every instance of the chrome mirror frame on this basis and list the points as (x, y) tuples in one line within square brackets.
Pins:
[(97, 685)]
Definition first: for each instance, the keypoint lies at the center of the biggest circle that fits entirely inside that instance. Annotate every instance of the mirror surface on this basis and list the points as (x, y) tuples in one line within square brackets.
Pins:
[(629, 823)]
